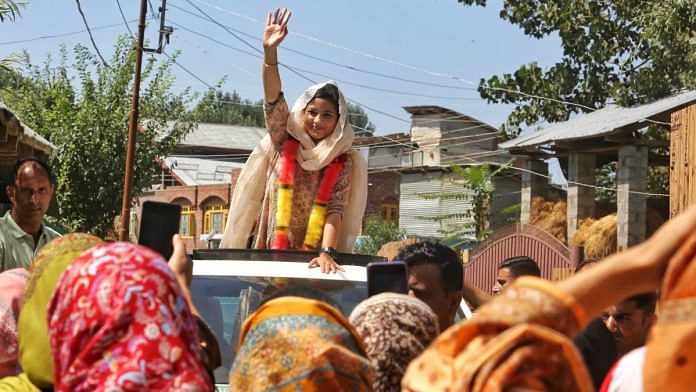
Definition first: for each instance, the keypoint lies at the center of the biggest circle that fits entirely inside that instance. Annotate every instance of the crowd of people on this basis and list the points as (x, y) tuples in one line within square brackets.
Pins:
[(80, 314), (91, 315)]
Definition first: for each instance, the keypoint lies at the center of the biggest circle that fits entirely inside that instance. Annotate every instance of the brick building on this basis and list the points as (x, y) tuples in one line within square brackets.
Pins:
[(200, 177)]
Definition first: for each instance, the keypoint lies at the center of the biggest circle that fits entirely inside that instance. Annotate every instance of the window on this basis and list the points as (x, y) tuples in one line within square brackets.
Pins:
[(187, 225), (390, 212), (215, 219)]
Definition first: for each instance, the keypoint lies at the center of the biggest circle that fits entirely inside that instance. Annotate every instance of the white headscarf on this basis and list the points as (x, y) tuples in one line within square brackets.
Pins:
[(315, 156), (245, 206)]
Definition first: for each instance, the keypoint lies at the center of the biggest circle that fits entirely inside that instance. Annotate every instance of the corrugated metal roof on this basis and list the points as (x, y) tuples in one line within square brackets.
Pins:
[(225, 136), (27, 135), (600, 122), (196, 171)]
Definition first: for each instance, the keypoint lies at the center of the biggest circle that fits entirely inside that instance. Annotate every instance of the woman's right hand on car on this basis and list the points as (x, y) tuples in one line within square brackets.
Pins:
[(276, 28)]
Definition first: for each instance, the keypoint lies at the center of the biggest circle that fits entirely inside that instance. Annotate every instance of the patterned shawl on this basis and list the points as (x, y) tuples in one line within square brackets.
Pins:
[(245, 206), (32, 328), (293, 343), (12, 285), (670, 359), (518, 340), (117, 321), (395, 328)]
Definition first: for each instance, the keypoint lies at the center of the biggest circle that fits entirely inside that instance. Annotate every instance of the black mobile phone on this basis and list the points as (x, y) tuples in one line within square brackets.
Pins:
[(158, 223), (386, 277)]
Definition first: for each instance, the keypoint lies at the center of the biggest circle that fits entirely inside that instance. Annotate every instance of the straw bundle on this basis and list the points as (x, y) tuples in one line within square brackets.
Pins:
[(549, 216), (391, 249), (597, 236)]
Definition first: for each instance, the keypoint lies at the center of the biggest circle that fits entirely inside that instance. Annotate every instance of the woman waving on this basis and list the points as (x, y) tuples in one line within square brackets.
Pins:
[(303, 187)]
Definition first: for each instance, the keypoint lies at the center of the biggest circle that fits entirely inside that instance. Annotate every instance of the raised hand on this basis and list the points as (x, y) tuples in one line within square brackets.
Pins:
[(276, 27)]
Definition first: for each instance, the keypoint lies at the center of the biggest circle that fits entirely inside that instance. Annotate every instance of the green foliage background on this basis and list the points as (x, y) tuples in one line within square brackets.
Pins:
[(377, 232), (85, 114), (623, 51)]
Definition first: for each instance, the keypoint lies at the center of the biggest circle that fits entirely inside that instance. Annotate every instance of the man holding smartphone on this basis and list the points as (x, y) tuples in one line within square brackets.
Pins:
[(436, 277)]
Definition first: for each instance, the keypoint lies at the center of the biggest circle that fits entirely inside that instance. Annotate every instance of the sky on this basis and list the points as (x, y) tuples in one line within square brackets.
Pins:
[(403, 46)]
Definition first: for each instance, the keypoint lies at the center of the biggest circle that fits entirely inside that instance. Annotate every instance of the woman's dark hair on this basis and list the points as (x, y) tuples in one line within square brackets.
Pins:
[(328, 92)]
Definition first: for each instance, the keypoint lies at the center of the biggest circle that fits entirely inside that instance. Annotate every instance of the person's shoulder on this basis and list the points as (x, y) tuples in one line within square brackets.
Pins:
[(5, 226), (50, 233)]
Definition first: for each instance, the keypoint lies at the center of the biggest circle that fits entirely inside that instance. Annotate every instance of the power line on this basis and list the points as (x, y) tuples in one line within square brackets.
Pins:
[(572, 182), (323, 75), (123, 16), (285, 65), (432, 73), (79, 8), (219, 57), (353, 68), (62, 34), (187, 70)]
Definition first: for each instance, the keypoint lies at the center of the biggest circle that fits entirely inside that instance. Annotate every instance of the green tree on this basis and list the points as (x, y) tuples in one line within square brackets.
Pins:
[(361, 123), (86, 117), (477, 188), (623, 51), (220, 107), (9, 11), (377, 232)]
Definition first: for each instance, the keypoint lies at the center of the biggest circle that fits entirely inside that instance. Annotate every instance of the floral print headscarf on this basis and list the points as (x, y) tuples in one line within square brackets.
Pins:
[(118, 321), (12, 285), (395, 329), (299, 344)]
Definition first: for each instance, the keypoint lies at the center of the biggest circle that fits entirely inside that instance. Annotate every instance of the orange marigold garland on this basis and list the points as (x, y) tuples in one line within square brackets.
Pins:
[(286, 182), (317, 218)]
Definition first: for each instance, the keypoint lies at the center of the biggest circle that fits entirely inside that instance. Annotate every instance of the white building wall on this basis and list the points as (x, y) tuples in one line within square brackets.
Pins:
[(412, 206)]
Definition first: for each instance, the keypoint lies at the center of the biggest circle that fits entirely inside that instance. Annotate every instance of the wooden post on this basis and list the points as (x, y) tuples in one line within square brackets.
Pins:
[(132, 127), (682, 165)]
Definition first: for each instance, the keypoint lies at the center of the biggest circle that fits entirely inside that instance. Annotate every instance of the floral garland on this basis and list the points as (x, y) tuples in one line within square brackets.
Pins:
[(286, 183)]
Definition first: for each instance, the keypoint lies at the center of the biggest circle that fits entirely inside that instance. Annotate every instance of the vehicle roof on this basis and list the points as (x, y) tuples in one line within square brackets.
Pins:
[(273, 269), (278, 255)]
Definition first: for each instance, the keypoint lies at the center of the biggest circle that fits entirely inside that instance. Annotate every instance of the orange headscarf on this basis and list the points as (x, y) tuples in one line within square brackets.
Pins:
[(293, 343), (519, 339), (671, 349)]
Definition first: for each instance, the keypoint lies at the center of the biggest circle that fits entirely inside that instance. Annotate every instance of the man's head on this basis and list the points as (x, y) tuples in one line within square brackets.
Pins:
[(512, 268), (30, 188), (436, 277), (630, 320)]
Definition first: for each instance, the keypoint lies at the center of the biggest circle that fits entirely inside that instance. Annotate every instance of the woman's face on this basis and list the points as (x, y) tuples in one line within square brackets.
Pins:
[(319, 118)]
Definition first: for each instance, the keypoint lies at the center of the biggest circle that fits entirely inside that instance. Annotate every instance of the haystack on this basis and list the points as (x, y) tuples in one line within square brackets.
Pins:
[(549, 216), (391, 249), (583, 231), (597, 236)]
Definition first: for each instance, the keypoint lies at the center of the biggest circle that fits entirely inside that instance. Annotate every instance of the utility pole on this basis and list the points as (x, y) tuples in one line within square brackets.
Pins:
[(132, 128), (164, 32)]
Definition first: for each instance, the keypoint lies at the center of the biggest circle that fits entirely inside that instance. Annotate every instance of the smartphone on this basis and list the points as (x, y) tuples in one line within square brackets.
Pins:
[(387, 277), (158, 224)]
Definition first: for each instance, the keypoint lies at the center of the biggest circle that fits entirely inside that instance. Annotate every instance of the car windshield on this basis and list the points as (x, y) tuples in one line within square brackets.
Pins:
[(225, 302)]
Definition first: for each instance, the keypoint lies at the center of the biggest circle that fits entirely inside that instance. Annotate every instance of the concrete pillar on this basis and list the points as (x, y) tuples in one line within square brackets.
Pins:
[(581, 198), (631, 175), (532, 185)]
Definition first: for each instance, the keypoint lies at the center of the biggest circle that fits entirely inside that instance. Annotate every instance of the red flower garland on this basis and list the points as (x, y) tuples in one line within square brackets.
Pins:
[(286, 183)]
